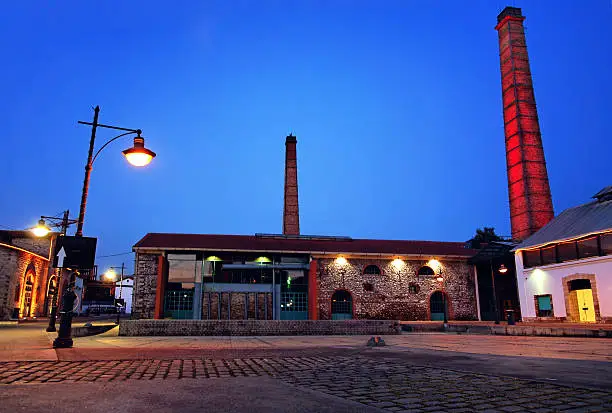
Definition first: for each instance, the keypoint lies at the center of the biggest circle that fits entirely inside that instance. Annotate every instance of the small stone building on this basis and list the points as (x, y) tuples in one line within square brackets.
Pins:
[(24, 275), (193, 276)]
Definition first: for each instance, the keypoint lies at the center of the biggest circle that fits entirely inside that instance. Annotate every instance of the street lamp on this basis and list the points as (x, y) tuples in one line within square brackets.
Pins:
[(42, 230), (111, 275), (138, 155)]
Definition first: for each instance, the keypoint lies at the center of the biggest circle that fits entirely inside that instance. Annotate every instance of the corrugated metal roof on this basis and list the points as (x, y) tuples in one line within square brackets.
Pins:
[(595, 216), (280, 244)]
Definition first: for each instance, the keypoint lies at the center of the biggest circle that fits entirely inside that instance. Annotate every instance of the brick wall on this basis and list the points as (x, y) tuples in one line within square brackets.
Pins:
[(390, 297), (14, 265), (256, 327), (32, 243), (145, 285)]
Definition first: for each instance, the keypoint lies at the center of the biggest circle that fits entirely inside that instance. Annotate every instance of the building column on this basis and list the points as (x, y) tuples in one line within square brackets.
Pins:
[(477, 292), (313, 307), (161, 288)]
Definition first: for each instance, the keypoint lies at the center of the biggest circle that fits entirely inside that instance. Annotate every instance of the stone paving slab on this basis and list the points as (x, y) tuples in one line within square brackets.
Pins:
[(382, 384)]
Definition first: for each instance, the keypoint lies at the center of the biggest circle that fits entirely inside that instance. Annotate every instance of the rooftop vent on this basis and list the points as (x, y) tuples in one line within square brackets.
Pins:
[(604, 195)]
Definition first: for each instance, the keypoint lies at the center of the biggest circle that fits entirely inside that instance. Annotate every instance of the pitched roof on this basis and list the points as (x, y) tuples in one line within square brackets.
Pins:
[(165, 241), (589, 218)]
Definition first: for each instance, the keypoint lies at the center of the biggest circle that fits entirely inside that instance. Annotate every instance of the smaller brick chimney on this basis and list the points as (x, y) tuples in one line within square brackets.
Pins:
[(291, 211)]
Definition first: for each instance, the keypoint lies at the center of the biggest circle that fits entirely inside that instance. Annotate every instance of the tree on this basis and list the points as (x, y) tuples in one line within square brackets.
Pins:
[(484, 236)]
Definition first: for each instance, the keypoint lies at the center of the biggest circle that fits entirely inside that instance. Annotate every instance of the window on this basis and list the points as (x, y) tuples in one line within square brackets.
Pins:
[(368, 287), (342, 302), (182, 270), (372, 270), (606, 243), (544, 307), (549, 255), (567, 251), (425, 270), (531, 258), (413, 288), (588, 248), (294, 301)]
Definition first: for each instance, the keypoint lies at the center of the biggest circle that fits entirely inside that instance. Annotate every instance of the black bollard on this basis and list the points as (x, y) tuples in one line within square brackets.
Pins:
[(510, 317), (64, 335)]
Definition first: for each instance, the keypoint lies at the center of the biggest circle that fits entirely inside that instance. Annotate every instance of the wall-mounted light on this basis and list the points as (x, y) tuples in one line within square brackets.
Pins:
[(397, 263), (503, 269), (341, 260), (213, 258), (435, 265)]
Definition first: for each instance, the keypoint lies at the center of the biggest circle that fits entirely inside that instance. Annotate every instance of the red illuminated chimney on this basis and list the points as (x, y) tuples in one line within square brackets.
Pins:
[(291, 211), (528, 189)]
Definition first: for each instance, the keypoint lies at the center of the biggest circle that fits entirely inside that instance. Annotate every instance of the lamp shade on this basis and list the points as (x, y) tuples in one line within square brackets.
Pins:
[(138, 155)]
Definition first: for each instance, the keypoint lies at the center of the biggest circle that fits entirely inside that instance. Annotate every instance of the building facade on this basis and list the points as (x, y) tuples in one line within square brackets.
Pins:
[(565, 270), (26, 282), (189, 276)]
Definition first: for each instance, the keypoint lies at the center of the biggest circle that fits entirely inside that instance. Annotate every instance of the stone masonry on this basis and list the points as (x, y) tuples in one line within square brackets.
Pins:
[(145, 284), (397, 293), (256, 327)]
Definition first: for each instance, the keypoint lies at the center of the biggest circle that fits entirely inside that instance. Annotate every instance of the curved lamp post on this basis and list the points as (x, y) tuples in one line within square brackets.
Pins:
[(137, 155)]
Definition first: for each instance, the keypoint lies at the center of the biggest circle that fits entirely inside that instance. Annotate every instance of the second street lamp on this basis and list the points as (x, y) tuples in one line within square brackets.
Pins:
[(138, 155), (110, 274)]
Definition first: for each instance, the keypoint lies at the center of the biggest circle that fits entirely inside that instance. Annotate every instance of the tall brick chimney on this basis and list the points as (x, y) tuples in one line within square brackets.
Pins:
[(291, 210), (528, 189)]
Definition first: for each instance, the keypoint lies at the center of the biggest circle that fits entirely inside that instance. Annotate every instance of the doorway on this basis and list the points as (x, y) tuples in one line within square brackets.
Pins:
[(342, 305), (581, 300), (437, 306)]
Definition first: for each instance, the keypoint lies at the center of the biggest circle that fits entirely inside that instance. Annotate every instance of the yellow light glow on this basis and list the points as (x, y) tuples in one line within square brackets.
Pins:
[(341, 261), (213, 258), (138, 158), (40, 231), (434, 265), (503, 269), (397, 263), (439, 279), (263, 260), (110, 275)]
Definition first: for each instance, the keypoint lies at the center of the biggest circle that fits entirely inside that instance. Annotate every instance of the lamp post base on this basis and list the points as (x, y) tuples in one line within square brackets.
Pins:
[(52, 319), (62, 342)]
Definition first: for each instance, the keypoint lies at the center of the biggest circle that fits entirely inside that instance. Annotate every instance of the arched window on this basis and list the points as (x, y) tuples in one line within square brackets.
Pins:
[(425, 270), (372, 270)]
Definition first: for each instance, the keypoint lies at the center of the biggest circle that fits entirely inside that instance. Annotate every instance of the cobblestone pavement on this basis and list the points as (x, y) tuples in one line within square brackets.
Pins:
[(386, 384)]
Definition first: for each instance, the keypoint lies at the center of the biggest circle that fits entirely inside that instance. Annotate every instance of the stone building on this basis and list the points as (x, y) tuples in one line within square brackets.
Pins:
[(25, 283), (265, 276)]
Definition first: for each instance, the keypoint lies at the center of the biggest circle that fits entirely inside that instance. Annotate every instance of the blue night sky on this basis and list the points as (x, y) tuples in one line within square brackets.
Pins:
[(396, 106)]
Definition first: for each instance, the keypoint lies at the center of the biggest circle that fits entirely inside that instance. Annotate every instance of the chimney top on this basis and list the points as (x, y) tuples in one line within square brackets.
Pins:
[(509, 11), (291, 139)]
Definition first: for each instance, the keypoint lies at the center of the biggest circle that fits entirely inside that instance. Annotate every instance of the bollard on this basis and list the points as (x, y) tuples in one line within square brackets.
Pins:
[(510, 315)]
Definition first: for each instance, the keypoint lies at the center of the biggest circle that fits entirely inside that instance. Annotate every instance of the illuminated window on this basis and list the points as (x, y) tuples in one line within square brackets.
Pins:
[(425, 270), (588, 248), (372, 270)]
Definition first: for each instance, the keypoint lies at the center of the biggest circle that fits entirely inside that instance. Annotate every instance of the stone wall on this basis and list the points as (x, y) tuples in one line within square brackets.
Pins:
[(256, 327), (391, 297), (14, 266), (240, 302), (145, 285)]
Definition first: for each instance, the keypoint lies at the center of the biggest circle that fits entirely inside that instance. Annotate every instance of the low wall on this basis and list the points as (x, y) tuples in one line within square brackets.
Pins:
[(256, 327)]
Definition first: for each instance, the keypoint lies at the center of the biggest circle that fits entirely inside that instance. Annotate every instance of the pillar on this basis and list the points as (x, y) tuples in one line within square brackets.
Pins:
[(161, 288), (313, 305)]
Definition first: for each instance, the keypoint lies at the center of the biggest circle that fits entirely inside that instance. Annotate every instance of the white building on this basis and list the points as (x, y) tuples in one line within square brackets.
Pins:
[(564, 271), (125, 291)]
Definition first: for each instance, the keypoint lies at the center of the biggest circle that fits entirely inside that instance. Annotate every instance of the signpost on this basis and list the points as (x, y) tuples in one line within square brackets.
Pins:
[(61, 256)]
